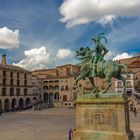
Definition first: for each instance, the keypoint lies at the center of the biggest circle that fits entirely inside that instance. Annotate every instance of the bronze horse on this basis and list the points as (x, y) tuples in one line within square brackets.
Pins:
[(104, 69)]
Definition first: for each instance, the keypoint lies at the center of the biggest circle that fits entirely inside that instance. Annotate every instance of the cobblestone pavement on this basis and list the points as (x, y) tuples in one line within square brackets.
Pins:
[(48, 124)]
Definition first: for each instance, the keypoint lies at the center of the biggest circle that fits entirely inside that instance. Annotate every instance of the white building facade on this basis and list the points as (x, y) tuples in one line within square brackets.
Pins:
[(129, 85)]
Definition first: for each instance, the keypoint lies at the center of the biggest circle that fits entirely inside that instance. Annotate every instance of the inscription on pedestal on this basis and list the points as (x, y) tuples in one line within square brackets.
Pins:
[(99, 120)]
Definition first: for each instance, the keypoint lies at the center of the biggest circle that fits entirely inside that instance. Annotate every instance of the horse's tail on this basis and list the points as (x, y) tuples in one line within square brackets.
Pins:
[(123, 66)]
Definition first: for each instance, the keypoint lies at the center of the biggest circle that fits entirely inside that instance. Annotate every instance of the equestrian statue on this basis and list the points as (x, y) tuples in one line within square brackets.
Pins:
[(94, 65)]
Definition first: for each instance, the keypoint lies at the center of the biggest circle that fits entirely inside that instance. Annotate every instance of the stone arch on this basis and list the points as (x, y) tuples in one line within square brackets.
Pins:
[(1, 105), (56, 87), (28, 101), (21, 103), (34, 98), (13, 103), (51, 87), (56, 96), (7, 104), (46, 96), (45, 87)]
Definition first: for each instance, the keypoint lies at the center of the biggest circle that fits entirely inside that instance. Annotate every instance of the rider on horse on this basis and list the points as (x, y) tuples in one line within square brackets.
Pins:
[(100, 52)]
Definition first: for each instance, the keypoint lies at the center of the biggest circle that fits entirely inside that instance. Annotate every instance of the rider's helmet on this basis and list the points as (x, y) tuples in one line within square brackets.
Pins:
[(97, 38)]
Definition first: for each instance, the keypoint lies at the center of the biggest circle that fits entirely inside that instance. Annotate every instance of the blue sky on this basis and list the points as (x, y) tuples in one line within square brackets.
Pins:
[(38, 34)]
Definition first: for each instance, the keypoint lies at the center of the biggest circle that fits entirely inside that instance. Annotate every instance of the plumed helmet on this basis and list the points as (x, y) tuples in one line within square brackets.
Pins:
[(99, 37)]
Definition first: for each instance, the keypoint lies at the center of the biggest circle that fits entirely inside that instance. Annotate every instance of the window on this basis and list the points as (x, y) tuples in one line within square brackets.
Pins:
[(4, 82), (17, 75), (18, 91), (129, 92), (64, 97), (119, 84), (25, 76), (11, 82), (25, 82), (67, 87), (45, 87), (62, 87), (74, 88), (129, 84), (34, 90), (25, 91), (11, 91), (56, 87), (18, 82), (50, 87), (3, 91), (11, 74), (80, 85), (4, 73), (119, 91)]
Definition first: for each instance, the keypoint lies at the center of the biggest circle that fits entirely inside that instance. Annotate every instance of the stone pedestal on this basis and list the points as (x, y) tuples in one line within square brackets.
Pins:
[(102, 119)]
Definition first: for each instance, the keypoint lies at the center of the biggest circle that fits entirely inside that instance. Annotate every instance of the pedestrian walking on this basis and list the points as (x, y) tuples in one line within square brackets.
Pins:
[(70, 134)]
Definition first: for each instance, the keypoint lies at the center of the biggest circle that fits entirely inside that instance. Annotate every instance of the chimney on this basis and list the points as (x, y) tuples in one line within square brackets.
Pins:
[(3, 60), (138, 54)]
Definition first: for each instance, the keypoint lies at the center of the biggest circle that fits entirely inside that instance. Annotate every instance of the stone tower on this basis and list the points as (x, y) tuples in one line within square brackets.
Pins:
[(3, 60)]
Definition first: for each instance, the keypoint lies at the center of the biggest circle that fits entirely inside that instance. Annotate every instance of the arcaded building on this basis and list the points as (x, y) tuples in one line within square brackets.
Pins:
[(59, 83), (15, 87)]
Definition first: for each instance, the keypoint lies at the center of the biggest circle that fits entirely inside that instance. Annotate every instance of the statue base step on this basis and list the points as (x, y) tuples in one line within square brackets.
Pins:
[(85, 135)]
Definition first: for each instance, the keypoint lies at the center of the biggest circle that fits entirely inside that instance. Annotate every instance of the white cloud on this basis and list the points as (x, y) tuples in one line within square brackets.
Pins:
[(107, 19), (8, 38), (40, 58), (64, 53), (122, 56), (36, 58), (76, 12)]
